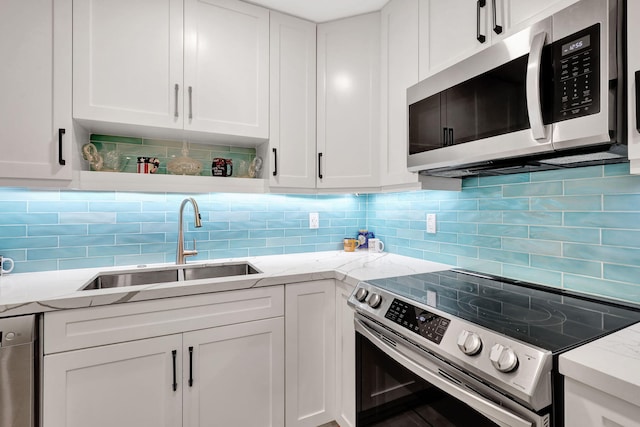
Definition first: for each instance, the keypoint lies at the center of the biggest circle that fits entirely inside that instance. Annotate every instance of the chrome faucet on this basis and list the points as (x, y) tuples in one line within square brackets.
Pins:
[(181, 253)]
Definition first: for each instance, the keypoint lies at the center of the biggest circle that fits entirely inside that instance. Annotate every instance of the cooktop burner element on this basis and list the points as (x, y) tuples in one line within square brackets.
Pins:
[(543, 317)]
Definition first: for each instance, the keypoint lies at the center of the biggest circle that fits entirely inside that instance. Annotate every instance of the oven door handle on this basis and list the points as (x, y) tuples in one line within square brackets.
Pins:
[(534, 104), (487, 408)]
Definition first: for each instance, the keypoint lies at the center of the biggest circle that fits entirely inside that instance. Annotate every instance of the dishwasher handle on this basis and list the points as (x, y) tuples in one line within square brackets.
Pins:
[(17, 330)]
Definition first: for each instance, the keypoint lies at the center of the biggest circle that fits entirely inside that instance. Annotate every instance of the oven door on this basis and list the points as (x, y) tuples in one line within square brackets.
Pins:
[(397, 385)]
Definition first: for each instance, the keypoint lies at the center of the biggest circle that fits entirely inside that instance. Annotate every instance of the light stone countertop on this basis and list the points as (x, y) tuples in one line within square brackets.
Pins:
[(610, 364), (27, 293)]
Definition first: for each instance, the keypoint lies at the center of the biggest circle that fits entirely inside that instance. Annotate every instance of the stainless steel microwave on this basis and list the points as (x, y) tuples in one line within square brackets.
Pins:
[(549, 96)]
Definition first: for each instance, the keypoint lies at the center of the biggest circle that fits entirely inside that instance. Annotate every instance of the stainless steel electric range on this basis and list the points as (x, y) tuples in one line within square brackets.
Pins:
[(458, 348)]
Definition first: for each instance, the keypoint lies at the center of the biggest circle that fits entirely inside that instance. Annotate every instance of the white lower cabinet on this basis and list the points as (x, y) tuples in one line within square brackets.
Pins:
[(310, 353), (227, 375), (125, 384), (346, 358), (234, 375), (587, 406)]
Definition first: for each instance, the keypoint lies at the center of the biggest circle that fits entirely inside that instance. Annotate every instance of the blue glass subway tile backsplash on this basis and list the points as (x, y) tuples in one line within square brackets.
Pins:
[(578, 229)]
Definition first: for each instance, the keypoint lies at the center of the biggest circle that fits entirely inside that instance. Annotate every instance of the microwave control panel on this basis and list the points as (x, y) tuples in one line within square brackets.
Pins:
[(419, 321), (576, 60)]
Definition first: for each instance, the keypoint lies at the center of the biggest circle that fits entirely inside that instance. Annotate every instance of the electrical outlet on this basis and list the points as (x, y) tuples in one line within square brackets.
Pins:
[(431, 223), (314, 220)]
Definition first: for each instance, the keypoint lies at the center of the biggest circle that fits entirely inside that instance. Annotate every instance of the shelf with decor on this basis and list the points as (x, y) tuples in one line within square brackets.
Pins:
[(114, 163)]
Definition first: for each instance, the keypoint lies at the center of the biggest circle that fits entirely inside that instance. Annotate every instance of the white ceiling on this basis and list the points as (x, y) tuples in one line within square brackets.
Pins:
[(322, 10)]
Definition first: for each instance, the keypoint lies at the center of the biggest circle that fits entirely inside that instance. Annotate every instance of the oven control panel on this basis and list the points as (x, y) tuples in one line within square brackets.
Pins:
[(422, 322)]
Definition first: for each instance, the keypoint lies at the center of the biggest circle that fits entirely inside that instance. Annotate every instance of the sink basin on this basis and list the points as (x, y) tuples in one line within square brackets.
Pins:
[(212, 271), (148, 277)]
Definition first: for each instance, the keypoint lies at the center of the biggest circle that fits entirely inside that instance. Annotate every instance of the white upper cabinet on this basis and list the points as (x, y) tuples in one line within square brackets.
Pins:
[(36, 135), (292, 143), (226, 69), (348, 102), (633, 94), (200, 66), (454, 29), (399, 70), (127, 62)]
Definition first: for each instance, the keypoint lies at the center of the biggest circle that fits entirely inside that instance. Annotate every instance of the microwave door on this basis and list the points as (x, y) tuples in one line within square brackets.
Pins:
[(478, 110)]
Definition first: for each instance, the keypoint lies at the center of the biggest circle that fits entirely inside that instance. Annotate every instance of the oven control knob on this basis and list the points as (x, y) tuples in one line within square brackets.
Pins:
[(469, 343), (361, 294), (503, 358), (374, 300)]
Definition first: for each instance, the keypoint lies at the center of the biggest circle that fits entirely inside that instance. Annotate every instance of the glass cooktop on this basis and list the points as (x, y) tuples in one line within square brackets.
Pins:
[(551, 319)]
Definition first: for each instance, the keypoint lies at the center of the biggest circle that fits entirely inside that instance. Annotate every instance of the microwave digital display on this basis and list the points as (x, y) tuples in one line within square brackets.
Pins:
[(581, 43), (576, 65)]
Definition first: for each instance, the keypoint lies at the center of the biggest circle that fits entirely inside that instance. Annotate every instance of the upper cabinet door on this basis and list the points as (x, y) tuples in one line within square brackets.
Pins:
[(35, 41), (349, 102), (399, 62), (292, 140), (451, 30), (226, 68), (127, 61)]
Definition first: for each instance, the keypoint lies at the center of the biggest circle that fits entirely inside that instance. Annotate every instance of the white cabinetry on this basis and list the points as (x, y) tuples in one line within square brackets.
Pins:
[(310, 353), (633, 68), (181, 361), (452, 30), (399, 66), (145, 67), (348, 102), (292, 143), (226, 69), (345, 358), (126, 384), (234, 375), (587, 406), (36, 135)]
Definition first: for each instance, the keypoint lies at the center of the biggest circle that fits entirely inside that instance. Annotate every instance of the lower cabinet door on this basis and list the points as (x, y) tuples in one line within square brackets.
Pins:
[(234, 375), (310, 353), (129, 384)]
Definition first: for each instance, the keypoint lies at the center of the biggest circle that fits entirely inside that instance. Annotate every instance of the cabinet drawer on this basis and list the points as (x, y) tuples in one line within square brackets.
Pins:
[(89, 327)]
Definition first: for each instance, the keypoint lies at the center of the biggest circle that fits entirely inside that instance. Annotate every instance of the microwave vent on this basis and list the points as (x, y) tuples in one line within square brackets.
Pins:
[(580, 158)]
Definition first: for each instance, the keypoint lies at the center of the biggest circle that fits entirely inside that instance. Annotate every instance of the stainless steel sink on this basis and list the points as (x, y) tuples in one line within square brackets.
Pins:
[(212, 271), (188, 272)]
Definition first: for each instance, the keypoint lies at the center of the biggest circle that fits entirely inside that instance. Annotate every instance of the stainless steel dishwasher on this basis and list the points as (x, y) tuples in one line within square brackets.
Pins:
[(17, 371)]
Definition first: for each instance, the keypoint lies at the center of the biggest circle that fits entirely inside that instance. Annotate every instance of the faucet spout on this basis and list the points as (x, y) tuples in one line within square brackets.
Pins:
[(181, 252)]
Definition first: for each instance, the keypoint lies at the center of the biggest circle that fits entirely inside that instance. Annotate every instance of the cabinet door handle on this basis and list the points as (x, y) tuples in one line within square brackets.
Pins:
[(479, 5), (275, 161), (174, 355), (61, 161), (450, 136), (320, 165), (190, 103), (445, 135), (176, 88), (496, 28), (190, 366), (638, 100)]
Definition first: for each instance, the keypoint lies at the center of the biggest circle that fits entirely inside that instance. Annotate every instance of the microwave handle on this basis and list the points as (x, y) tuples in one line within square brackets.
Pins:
[(534, 105)]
